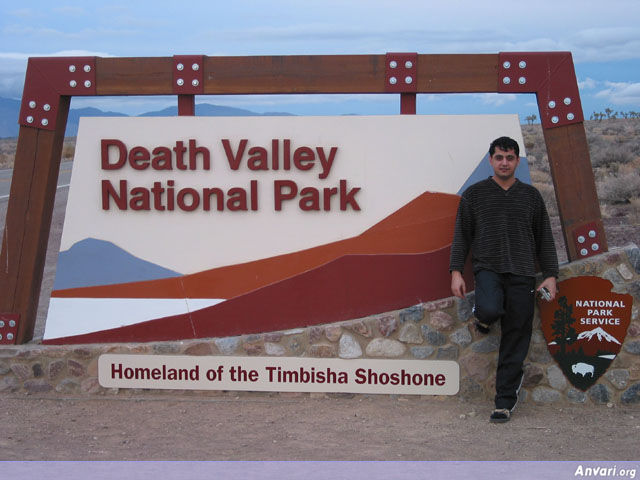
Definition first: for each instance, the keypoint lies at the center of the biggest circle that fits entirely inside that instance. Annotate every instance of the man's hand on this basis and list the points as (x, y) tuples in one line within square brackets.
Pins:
[(458, 287), (550, 283)]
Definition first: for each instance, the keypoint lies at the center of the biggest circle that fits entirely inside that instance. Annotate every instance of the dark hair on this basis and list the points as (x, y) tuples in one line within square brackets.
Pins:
[(504, 143)]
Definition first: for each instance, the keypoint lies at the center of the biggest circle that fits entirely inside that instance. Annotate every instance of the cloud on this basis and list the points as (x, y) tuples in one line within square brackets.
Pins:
[(587, 84), (496, 99), (13, 66), (69, 10), (606, 43), (22, 13), (621, 93)]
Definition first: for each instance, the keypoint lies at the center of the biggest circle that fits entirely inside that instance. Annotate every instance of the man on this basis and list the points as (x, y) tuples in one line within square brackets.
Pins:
[(505, 225)]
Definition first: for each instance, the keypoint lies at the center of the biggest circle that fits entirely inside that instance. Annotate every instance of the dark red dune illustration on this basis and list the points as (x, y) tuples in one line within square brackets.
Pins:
[(350, 287), (425, 224), (401, 261)]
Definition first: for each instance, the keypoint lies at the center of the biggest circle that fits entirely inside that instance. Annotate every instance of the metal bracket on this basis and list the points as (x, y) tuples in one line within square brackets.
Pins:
[(551, 76), (188, 74), (401, 73), (9, 328), (46, 80), (587, 239)]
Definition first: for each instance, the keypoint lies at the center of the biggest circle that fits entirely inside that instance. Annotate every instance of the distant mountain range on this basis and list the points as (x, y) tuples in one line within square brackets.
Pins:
[(10, 110)]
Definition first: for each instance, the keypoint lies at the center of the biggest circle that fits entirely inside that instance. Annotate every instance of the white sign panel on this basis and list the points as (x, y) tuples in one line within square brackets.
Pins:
[(192, 227), (282, 374)]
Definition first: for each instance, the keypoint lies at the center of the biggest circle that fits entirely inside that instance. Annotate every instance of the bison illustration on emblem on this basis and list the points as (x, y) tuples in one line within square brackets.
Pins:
[(582, 368)]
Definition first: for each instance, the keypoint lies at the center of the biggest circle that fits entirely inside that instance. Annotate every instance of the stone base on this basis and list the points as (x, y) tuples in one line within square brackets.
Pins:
[(441, 330)]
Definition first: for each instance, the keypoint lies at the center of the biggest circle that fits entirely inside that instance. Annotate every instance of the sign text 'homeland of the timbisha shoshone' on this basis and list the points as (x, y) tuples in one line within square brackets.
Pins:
[(281, 374), (200, 227)]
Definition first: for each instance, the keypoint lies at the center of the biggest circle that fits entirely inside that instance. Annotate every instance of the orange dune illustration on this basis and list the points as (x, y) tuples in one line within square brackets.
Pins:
[(424, 224)]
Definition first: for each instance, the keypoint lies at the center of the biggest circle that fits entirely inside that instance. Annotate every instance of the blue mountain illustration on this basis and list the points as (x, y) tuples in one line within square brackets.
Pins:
[(484, 170), (91, 262)]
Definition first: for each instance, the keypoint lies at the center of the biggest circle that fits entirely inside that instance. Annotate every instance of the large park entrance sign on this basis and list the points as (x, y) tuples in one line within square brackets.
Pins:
[(50, 84), (205, 227)]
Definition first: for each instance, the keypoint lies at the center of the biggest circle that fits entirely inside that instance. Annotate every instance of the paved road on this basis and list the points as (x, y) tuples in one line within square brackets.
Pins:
[(64, 177)]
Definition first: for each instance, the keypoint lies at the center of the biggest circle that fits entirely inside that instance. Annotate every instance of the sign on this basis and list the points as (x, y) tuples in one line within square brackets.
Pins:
[(585, 327), (280, 374), (192, 227)]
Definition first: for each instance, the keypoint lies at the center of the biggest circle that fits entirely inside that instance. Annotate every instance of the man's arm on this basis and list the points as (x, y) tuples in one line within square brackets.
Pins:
[(550, 284), (545, 245), (462, 235), (458, 285), (546, 250)]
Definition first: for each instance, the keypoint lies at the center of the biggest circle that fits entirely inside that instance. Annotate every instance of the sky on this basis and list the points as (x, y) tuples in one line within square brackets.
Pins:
[(603, 37)]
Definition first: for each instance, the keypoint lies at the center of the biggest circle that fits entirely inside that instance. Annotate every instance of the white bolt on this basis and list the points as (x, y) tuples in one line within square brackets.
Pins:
[(32, 104), (195, 67), (180, 67), (506, 80), (12, 323), (73, 84), (570, 116), (567, 101), (1, 323), (180, 82), (522, 64), (0, 336), (45, 122), (46, 107), (408, 64), (393, 80), (87, 68), (592, 233), (72, 68), (595, 247), (195, 82), (506, 64), (29, 119), (581, 239), (393, 64), (408, 80), (87, 83), (9, 336), (584, 251), (552, 104), (554, 119), (522, 80)]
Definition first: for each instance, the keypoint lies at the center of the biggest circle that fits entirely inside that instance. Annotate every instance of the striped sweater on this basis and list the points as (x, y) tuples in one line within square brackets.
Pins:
[(506, 230)]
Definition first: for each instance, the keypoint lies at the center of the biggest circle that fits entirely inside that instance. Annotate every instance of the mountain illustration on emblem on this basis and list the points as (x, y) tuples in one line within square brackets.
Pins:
[(585, 336), (599, 334)]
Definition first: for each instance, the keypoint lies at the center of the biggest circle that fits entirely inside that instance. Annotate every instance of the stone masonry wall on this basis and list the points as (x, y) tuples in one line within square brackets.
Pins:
[(441, 330)]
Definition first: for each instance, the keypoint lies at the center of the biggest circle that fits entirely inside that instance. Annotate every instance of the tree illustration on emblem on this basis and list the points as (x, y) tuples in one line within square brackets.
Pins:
[(563, 330)]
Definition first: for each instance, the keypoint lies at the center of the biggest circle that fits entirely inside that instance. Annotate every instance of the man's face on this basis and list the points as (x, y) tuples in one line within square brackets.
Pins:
[(504, 163)]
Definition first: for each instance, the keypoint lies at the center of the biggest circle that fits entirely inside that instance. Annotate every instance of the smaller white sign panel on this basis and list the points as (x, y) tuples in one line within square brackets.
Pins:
[(282, 374)]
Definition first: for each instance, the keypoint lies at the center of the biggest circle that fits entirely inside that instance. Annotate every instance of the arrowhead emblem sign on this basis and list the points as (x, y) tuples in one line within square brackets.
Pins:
[(585, 327)]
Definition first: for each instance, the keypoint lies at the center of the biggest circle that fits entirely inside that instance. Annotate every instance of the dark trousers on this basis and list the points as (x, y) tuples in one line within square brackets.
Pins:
[(510, 299)]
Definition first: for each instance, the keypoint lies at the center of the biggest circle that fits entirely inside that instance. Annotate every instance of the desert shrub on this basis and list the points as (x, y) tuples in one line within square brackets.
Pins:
[(549, 197), (540, 177), (634, 146), (610, 155), (619, 189), (6, 160), (613, 130), (68, 150)]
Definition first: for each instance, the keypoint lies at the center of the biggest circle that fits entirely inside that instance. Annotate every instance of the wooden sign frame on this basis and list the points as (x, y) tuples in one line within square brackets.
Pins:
[(51, 82)]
